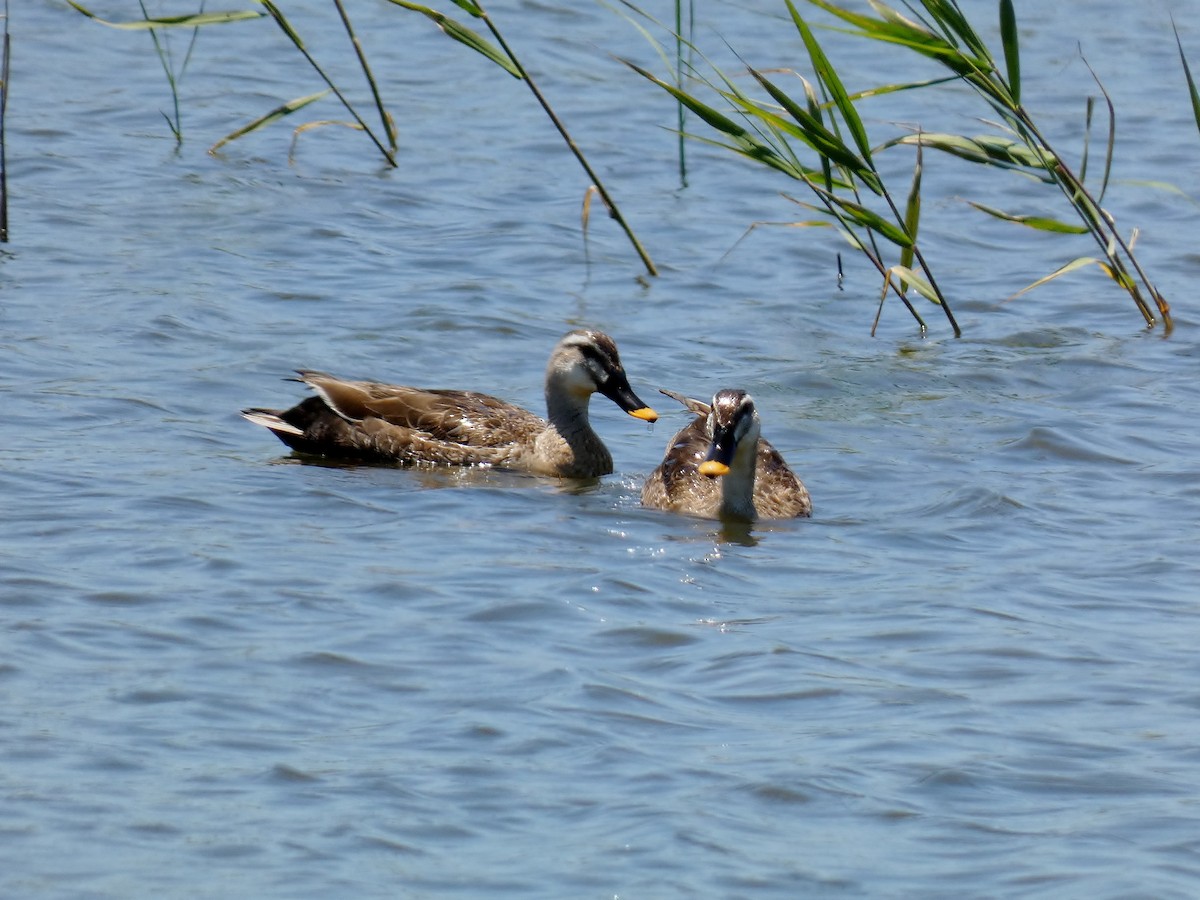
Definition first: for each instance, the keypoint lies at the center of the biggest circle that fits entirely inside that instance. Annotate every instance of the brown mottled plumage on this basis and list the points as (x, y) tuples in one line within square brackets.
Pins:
[(718, 466), (373, 422)]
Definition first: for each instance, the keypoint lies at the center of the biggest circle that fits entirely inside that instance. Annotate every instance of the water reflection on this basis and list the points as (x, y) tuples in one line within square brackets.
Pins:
[(436, 477)]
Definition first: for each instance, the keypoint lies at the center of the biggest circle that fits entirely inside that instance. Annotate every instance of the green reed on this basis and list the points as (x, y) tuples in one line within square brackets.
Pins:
[(500, 53), (506, 58), (195, 21), (772, 132), (3, 109), (822, 125), (1193, 94), (285, 26)]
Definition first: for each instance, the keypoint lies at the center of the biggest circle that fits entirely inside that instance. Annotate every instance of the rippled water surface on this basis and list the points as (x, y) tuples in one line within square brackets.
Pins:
[(229, 673)]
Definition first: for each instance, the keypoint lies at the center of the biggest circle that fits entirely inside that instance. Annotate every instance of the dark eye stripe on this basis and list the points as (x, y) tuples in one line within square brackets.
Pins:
[(594, 353)]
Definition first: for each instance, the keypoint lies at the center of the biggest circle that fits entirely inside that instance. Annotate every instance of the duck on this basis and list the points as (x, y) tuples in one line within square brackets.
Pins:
[(720, 467), (368, 421)]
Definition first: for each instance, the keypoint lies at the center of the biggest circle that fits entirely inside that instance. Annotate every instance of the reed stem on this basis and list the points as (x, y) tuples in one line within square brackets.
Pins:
[(3, 109), (389, 127), (613, 209), (282, 22)]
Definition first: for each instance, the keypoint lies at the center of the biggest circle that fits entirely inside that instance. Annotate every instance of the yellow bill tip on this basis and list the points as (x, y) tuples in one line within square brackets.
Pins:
[(645, 413), (713, 468)]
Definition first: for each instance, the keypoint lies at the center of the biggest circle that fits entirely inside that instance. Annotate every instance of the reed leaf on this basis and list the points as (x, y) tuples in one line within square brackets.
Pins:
[(912, 211), (988, 150), (867, 218), (1187, 72), (1012, 48), (190, 21), (469, 7), (773, 136), (956, 25), (892, 27), (814, 109), (914, 279), (1039, 223), (816, 135), (5, 55), (884, 89), (285, 26), (895, 29), (977, 65), (1088, 111), (385, 118), (464, 35), (1074, 264), (776, 129), (773, 122), (828, 76), (746, 142), (274, 115), (613, 210), (888, 14), (1112, 132)]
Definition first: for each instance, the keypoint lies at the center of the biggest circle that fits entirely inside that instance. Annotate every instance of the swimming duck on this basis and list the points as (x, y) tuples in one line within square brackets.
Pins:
[(372, 422), (719, 467)]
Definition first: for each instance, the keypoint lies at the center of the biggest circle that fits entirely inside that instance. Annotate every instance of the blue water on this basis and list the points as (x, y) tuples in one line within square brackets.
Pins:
[(228, 673)]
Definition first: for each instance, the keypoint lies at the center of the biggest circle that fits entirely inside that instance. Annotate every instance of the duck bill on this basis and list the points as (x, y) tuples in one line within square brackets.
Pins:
[(713, 469), (619, 392), (720, 454)]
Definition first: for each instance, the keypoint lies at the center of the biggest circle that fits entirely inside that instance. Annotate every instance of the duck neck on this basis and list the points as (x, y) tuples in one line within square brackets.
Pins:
[(737, 485), (570, 436)]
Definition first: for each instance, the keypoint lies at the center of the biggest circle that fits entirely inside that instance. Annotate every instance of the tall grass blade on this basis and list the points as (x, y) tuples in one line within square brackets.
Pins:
[(1012, 48), (895, 29), (273, 116), (1187, 72), (956, 25), (3, 110), (465, 35), (281, 20), (987, 149), (828, 76), (1089, 110), (745, 141), (680, 109), (1059, 272), (914, 279), (1039, 223), (820, 138), (912, 211), (389, 126), (1112, 132), (191, 21), (814, 109), (613, 210), (867, 218), (164, 57)]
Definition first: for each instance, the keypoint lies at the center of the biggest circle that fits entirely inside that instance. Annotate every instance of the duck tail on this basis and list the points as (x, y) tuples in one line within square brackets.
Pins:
[(271, 419)]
